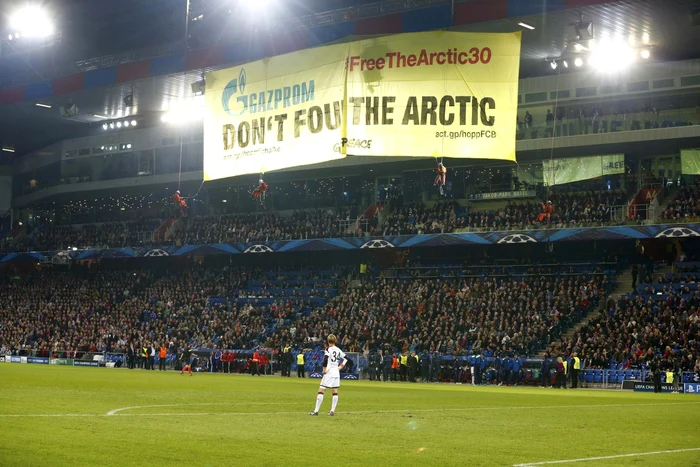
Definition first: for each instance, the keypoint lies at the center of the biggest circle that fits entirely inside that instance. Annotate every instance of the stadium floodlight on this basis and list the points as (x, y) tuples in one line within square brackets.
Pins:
[(32, 21), (578, 61), (645, 54), (259, 6), (612, 57), (105, 126), (119, 124), (133, 123), (111, 125), (186, 111), (9, 37)]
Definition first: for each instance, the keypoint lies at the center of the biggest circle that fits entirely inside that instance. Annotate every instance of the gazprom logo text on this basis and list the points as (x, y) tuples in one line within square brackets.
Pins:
[(263, 101)]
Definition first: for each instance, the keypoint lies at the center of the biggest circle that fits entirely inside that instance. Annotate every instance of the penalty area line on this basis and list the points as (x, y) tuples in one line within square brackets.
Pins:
[(618, 456)]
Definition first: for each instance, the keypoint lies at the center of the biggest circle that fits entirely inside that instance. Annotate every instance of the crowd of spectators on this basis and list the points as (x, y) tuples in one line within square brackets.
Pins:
[(101, 311), (85, 311), (417, 219), (684, 206), (459, 316), (568, 210), (109, 235), (244, 228), (659, 320)]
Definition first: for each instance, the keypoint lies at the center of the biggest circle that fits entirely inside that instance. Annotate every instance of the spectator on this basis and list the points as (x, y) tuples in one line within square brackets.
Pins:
[(561, 373)]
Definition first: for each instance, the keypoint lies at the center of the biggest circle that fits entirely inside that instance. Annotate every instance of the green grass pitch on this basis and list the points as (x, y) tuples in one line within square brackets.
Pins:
[(55, 416)]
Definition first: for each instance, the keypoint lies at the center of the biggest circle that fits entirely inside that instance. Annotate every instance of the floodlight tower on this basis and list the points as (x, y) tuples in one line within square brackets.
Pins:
[(32, 21)]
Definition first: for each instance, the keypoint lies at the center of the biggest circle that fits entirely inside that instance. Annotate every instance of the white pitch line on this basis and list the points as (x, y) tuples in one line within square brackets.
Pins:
[(115, 412), (379, 411), (206, 404), (619, 456), (19, 415)]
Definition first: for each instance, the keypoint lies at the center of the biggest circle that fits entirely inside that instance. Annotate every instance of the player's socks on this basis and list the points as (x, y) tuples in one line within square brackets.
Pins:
[(334, 404), (319, 401)]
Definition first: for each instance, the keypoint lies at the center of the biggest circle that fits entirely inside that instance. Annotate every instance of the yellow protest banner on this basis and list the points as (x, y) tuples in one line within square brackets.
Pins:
[(275, 113), (431, 94), (434, 94)]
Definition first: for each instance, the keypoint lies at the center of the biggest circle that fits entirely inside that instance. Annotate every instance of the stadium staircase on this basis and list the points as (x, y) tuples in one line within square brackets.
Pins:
[(663, 198), (372, 211), (623, 286), (18, 233), (161, 233), (364, 221)]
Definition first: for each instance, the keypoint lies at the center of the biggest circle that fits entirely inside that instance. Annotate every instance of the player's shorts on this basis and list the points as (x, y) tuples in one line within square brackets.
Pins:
[(330, 381)]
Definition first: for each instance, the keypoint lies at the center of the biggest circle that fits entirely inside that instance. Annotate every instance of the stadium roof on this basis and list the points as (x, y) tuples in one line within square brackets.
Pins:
[(665, 26)]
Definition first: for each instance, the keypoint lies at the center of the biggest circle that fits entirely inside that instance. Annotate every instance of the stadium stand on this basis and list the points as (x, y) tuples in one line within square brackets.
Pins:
[(411, 218), (462, 191), (685, 206), (100, 311), (417, 219), (659, 319), (570, 210)]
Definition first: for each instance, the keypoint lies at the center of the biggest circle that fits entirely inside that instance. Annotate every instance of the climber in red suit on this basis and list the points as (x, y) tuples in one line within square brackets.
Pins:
[(441, 177), (180, 202), (547, 211), (259, 192)]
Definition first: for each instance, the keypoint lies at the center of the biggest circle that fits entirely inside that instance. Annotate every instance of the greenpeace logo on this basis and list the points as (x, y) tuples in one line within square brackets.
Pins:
[(352, 143), (614, 165)]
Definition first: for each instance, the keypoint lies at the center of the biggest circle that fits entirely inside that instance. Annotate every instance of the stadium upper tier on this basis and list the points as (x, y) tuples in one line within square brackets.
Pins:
[(617, 124), (396, 218)]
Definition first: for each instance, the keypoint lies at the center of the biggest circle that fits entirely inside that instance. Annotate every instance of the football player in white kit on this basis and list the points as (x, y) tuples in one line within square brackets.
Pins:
[(331, 374)]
